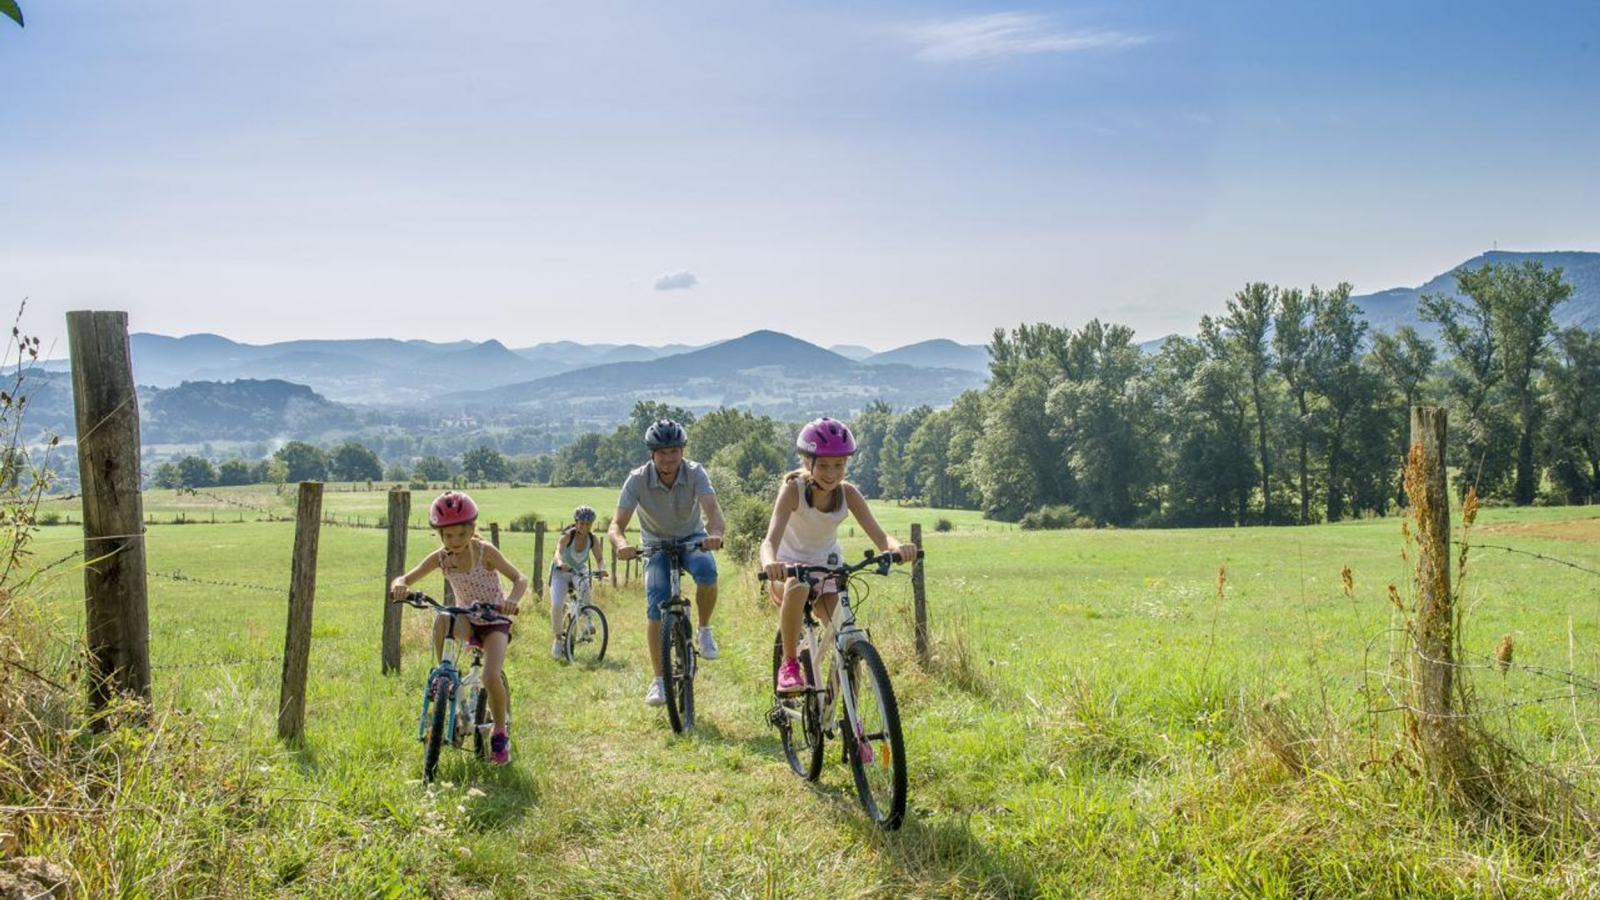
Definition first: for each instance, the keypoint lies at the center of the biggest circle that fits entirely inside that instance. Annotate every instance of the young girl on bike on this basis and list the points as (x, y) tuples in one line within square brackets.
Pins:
[(576, 543), (805, 530), (473, 568)]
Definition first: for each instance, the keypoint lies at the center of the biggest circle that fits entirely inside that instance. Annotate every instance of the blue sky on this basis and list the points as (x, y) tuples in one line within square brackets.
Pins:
[(874, 173)]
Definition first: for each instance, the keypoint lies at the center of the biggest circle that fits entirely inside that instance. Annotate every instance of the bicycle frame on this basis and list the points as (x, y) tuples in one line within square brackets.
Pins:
[(839, 633)]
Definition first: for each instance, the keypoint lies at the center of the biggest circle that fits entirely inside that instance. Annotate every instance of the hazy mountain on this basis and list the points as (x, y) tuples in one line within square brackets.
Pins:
[(1389, 309), (852, 351), (764, 371), (936, 354)]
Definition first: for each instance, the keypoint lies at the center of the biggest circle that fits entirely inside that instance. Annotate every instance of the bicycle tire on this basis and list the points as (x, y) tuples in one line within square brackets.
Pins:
[(803, 750), (578, 642), (879, 767), (677, 664), (434, 715), (480, 715)]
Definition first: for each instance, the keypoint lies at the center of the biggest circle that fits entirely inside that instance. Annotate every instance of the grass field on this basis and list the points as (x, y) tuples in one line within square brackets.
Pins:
[(1091, 725)]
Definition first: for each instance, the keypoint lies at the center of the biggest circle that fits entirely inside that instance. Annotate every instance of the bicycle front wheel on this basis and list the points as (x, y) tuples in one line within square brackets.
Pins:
[(873, 742), (677, 664), (434, 715), (587, 635), (796, 717)]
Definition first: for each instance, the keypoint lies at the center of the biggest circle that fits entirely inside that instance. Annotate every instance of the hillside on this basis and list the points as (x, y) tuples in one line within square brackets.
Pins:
[(245, 409), (1389, 309)]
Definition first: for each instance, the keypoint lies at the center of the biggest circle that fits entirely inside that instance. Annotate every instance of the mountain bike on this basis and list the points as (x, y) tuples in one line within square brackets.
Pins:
[(584, 632), (679, 655), (455, 704), (868, 725)]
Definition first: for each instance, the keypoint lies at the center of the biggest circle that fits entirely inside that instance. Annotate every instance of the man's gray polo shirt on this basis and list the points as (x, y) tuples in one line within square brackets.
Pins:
[(667, 514)]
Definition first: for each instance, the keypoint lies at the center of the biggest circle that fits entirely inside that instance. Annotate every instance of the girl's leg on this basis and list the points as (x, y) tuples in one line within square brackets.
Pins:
[(494, 661), (792, 616), (441, 626), (558, 601)]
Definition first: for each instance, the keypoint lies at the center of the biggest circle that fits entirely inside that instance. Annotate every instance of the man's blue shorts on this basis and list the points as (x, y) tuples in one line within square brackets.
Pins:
[(702, 568)]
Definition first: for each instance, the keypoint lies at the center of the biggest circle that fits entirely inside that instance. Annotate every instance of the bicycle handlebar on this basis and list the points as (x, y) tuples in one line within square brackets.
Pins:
[(881, 560), (484, 611)]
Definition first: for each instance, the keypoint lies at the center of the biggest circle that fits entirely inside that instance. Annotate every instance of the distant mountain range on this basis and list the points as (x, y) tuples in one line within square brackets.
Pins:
[(384, 371), (764, 371)]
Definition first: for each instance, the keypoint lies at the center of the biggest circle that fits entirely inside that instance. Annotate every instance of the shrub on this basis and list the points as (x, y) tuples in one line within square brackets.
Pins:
[(943, 525), (526, 522), (746, 516), (1049, 518)]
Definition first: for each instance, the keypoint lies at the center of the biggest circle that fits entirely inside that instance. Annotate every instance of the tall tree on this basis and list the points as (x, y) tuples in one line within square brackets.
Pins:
[(1404, 360), (1334, 364), (303, 461), (484, 463), (1504, 328), (1291, 341), (353, 461), (1573, 427), (1242, 338)]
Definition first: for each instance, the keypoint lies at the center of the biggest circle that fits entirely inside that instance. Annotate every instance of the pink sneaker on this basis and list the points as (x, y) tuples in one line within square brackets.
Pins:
[(500, 748), (790, 681)]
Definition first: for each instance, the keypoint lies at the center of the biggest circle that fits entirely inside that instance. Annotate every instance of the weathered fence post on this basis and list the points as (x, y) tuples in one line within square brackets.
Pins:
[(538, 558), (115, 594), (613, 563), (302, 591), (399, 513), (494, 534), (1444, 741), (919, 599)]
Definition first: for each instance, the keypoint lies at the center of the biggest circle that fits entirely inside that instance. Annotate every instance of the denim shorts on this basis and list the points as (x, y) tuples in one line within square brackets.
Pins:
[(702, 567)]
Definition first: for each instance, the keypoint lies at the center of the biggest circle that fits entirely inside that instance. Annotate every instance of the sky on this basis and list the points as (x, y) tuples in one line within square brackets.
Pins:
[(863, 172)]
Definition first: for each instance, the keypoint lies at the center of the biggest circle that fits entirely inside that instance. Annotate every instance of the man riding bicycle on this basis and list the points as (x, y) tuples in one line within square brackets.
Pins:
[(670, 494)]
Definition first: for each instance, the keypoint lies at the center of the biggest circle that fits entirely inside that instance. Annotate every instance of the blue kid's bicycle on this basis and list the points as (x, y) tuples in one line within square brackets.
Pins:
[(455, 704)]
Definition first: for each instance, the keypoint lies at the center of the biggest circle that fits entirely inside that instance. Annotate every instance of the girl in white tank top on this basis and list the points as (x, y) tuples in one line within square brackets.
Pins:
[(804, 529)]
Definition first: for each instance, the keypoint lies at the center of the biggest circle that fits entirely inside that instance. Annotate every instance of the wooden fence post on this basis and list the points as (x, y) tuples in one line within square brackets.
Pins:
[(1445, 746), (613, 562), (494, 534), (302, 591), (919, 598), (538, 558), (399, 513), (115, 592)]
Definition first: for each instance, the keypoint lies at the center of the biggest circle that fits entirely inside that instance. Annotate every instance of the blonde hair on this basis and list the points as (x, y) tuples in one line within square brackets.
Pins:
[(803, 475)]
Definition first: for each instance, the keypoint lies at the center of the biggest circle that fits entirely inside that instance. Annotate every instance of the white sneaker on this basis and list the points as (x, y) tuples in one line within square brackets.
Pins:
[(656, 696), (708, 644), (558, 649)]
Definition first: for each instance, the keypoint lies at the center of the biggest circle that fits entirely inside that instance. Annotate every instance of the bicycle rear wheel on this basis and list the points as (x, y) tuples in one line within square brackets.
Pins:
[(587, 635), (434, 715), (796, 718), (677, 664), (873, 742)]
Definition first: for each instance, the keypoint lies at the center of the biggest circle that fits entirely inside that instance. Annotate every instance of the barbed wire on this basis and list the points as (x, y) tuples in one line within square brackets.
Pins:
[(222, 663), (1472, 545)]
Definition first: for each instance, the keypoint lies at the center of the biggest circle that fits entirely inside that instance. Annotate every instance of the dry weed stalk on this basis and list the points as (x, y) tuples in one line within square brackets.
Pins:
[(1222, 580), (1348, 579)]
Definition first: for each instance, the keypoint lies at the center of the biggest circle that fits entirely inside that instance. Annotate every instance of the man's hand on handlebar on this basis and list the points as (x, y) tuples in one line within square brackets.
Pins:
[(905, 553), (711, 542)]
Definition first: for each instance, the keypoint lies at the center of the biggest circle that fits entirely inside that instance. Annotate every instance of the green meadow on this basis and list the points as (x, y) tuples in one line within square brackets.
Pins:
[(1183, 713)]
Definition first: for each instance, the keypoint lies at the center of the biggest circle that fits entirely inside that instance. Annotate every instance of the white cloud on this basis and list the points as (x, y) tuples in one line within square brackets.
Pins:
[(677, 281), (1009, 34)]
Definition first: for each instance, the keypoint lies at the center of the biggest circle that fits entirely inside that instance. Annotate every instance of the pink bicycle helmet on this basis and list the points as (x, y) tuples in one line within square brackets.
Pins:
[(826, 437), (452, 508)]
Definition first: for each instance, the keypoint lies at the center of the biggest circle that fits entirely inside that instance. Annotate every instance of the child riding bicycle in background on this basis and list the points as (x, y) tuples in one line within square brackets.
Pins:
[(473, 568), (804, 530), (576, 543)]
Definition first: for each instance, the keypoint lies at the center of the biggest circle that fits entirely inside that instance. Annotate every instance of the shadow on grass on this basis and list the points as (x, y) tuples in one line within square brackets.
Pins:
[(509, 791), (937, 853)]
